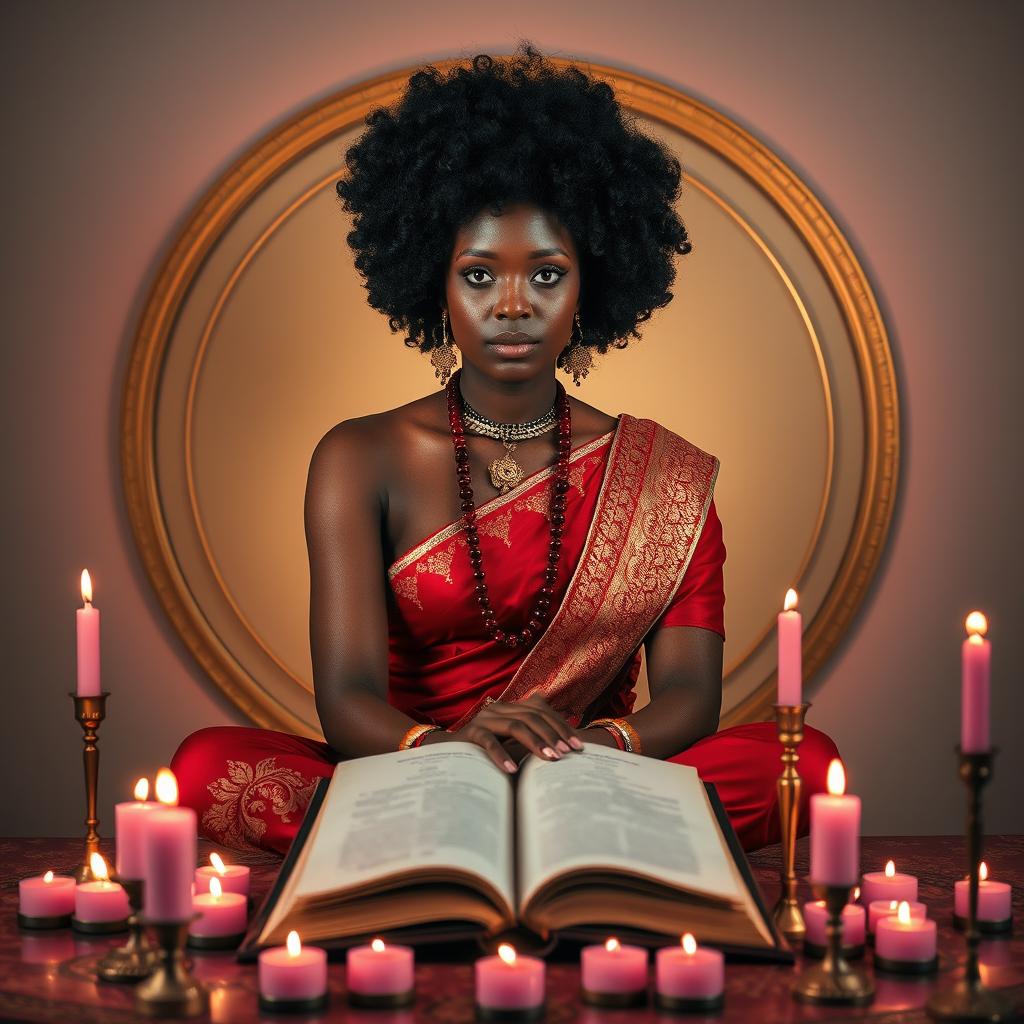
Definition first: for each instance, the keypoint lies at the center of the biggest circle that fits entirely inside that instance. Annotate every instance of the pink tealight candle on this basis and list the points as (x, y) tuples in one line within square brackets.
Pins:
[(888, 885), (128, 818), (689, 977), (904, 944), (835, 832), (46, 902), (102, 905), (232, 877), (815, 918), (87, 629), (292, 976), (379, 975), (790, 630), (169, 854), (994, 901), (975, 665), (877, 909), (222, 919), (613, 974), (510, 982)]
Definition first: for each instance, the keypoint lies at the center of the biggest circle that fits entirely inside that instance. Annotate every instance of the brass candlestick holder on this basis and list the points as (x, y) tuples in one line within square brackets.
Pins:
[(834, 981), (970, 1000), (787, 914), (171, 991), (89, 712), (136, 959)]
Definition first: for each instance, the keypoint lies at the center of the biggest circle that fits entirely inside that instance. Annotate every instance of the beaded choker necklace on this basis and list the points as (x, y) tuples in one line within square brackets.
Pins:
[(542, 607)]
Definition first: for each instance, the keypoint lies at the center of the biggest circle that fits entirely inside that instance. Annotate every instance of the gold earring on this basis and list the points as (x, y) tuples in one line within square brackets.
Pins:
[(578, 359), (442, 355)]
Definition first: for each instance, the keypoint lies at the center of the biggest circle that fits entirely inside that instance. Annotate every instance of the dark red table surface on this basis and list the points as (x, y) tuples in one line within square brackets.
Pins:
[(45, 976)]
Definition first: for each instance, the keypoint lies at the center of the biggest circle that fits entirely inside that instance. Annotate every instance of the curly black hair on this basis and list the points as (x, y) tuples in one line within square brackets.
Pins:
[(505, 131)]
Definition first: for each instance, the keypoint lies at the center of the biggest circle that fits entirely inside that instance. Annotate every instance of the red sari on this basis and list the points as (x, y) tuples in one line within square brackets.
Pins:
[(641, 549)]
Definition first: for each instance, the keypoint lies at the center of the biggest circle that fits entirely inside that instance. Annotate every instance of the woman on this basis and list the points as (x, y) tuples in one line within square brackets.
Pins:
[(487, 562)]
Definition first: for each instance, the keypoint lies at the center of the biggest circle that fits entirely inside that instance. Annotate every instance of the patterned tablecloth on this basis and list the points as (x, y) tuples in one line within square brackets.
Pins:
[(46, 976)]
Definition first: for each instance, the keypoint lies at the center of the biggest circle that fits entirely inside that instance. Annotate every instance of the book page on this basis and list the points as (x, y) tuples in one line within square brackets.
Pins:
[(445, 805), (608, 808)]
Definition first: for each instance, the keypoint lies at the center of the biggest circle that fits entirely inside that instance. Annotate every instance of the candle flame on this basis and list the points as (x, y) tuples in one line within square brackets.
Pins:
[(166, 786), (976, 624), (790, 603), (836, 779), (98, 867), (890, 869), (48, 877), (611, 945), (689, 944), (377, 945), (292, 942), (86, 587), (142, 790), (507, 953), (983, 871), (856, 893), (893, 904), (903, 914), (218, 863), (215, 887)]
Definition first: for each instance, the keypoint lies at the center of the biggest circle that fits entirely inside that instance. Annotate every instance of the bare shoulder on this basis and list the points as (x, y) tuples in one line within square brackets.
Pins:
[(588, 421)]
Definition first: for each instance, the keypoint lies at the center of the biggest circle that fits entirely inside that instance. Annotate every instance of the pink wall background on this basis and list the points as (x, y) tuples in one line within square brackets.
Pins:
[(904, 118)]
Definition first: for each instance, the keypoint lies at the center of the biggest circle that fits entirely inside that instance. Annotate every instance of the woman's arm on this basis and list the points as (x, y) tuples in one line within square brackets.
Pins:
[(684, 671)]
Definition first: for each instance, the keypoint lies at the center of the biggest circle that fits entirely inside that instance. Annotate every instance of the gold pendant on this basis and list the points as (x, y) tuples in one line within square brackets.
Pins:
[(505, 472)]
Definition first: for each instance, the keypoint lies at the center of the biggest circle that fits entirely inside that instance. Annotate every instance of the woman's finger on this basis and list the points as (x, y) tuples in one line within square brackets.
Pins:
[(483, 737)]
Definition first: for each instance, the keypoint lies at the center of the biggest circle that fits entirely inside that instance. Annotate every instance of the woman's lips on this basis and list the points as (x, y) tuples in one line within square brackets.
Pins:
[(513, 350)]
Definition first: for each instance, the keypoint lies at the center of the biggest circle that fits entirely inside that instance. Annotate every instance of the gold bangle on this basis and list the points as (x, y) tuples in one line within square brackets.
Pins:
[(413, 733), (629, 735)]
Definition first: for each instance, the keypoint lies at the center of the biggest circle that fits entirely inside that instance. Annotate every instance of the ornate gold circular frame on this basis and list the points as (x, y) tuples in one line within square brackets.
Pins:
[(287, 144)]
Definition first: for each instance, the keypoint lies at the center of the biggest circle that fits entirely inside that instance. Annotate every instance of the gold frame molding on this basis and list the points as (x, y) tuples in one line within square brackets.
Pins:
[(286, 144)]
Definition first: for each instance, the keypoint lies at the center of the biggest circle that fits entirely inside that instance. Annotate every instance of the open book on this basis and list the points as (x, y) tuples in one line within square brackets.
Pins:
[(437, 842)]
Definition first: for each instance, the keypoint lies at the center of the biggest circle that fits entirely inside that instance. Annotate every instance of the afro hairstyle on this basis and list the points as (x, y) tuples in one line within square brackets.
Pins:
[(518, 129)]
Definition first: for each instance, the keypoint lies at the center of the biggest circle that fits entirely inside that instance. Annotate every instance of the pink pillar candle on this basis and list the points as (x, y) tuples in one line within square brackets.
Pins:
[(905, 942), (835, 832), (877, 909), (994, 898), (975, 666), (816, 916), (101, 901), (379, 970), (221, 915), (169, 848), (87, 628), (508, 981), (689, 971), (888, 885), (292, 972), (128, 821), (614, 968), (790, 631), (49, 895), (234, 878)]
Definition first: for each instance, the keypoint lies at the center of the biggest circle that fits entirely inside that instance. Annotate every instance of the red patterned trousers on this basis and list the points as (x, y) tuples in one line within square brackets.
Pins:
[(251, 787)]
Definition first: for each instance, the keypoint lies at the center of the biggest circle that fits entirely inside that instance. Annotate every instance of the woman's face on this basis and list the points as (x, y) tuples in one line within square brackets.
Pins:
[(516, 272)]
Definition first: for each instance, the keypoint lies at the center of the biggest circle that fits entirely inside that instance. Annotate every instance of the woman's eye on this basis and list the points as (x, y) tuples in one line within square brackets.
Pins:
[(551, 275)]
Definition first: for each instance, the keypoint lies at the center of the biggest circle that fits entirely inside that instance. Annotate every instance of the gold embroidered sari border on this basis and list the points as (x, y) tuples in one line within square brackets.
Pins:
[(495, 503)]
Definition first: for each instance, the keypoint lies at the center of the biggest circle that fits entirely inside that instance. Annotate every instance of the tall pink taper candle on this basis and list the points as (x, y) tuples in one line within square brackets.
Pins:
[(976, 657), (87, 621), (790, 628)]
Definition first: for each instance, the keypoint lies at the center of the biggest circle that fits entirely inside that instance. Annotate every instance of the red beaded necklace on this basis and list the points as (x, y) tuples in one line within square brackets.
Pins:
[(542, 608)]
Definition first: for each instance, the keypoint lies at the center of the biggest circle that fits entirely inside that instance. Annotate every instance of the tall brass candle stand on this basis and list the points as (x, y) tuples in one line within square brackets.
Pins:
[(171, 991), (833, 981), (787, 914), (136, 959), (970, 1000), (89, 712)]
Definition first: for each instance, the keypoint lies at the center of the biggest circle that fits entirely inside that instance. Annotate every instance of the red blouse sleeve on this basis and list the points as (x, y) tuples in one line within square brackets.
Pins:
[(700, 599)]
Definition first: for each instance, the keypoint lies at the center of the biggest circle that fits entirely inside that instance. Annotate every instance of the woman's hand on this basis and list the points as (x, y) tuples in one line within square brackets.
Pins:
[(507, 729)]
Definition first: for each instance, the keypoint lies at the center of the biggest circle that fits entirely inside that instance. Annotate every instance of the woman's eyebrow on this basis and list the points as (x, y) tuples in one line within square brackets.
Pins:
[(487, 255)]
